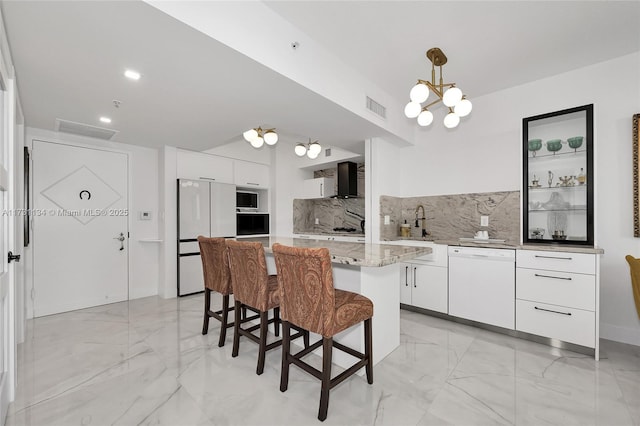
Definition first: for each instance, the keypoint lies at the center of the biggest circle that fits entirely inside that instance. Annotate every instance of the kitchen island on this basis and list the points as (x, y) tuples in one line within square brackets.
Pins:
[(368, 269)]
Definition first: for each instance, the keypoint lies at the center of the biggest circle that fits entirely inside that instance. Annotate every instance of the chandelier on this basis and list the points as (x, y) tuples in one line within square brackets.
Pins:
[(458, 104), (312, 149), (257, 137)]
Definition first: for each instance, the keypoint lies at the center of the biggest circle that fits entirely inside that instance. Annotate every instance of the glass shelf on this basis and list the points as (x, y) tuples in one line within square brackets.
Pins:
[(573, 215)]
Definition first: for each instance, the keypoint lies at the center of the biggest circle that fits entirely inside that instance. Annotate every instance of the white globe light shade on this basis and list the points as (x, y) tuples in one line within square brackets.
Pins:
[(300, 150), (419, 93), (315, 148), (270, 138), (312, 155), (250, 135), (425, 118), (257, 142), (412, 110), (463, 108), (452, 96), (451, 120)]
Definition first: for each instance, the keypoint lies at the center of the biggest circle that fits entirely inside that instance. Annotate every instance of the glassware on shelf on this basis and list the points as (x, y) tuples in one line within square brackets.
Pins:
[(554, 145), (550, 180), (534, 145), (581, 178), (575, 142)]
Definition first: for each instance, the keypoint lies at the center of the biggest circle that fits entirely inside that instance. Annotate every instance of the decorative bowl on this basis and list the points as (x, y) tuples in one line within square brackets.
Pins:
[(534, 145), (575, 142), (554, 145)]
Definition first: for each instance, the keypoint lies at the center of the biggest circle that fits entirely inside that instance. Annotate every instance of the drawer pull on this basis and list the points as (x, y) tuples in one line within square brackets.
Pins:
[(551, 276), (554, 257), (555, 312), (206, 178)]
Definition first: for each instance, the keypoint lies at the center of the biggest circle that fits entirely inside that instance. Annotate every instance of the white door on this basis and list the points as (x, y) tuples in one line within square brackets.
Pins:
[(7, 243), (80, 231)]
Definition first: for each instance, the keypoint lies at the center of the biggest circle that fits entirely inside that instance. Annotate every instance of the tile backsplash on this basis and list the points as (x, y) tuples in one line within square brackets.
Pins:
[(454, 216)]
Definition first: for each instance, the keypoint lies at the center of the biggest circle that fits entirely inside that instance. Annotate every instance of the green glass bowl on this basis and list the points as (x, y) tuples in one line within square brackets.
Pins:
[(535, 144), (575, 142), (554, 145)]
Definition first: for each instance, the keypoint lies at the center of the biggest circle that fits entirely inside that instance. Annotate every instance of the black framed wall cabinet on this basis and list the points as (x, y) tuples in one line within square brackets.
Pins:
[(558, 177)]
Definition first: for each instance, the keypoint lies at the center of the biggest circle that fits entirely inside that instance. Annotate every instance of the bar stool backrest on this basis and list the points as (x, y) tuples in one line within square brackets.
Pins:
[(249, 275)]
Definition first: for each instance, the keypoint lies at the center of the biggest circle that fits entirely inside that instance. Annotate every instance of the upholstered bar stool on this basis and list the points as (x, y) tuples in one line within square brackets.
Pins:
[(309, 300), (255, 289), (215, 267)]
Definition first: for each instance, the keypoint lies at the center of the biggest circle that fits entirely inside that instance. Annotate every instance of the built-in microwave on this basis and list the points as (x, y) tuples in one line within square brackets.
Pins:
[(252, 223), (247, 201)]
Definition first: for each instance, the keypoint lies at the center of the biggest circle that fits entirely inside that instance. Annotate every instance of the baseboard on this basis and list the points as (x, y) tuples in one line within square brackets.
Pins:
[(620, 334)]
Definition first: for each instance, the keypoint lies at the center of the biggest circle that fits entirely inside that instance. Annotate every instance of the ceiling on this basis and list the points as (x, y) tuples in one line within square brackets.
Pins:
[(197, 93)]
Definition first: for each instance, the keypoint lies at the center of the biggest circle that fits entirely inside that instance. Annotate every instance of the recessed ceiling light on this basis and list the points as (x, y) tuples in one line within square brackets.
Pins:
[(106, 120), (133, 75)]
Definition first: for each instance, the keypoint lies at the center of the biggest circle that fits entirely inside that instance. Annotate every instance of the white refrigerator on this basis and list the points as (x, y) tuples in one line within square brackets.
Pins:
[(204, 208)]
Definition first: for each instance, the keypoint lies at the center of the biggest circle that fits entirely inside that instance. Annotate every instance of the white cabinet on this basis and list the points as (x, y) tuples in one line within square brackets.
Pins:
[(198, 165), (423, 286), (557, 296), (317, 188), (250, 175), (424, 281)]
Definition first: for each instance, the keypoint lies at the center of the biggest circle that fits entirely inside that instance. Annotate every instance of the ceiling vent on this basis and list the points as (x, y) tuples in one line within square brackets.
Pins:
[(82, 129), (376, 108)]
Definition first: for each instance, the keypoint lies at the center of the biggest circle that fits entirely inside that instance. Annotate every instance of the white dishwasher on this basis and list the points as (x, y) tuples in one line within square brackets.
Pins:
[(482, 285)]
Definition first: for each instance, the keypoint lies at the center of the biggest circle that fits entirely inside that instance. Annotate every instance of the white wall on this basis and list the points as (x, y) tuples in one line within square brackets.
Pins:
[(143, 195), (483, 154)]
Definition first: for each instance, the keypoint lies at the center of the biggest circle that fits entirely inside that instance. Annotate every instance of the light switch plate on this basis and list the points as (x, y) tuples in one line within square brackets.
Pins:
[(484, 220), (387, 219), (144, 215), (317, 221)]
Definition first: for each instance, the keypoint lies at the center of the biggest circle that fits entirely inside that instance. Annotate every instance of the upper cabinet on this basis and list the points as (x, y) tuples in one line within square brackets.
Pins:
[(558, 177), (317, 188), (251, 175), (198, 165)]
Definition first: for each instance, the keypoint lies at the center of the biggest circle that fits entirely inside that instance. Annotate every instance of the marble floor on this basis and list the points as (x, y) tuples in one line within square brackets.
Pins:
[(144, 362)]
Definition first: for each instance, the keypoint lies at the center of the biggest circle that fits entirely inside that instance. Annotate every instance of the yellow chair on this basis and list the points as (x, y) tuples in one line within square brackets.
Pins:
[(634, 266)]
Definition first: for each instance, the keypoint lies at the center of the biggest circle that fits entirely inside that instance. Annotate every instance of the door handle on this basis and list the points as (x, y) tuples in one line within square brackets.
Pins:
[(11, 257), (121, 239)]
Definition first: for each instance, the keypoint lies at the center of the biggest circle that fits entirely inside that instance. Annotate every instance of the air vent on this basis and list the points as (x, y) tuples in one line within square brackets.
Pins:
[(376, 108), (327, 152), (84, 129)]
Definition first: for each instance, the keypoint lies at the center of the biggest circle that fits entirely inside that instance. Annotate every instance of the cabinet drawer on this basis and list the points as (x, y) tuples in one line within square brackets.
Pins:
[(557, 288), (567, 324), (581, 263)]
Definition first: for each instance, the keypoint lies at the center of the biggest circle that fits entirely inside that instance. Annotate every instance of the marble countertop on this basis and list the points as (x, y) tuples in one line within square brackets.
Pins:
[(560, 248), (333, 233), (348, 253)]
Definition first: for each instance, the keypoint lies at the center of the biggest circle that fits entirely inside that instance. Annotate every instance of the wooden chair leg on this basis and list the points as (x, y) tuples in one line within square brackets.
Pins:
[(207, 308), (286, 347), (244, 312), (264, 322), (276, 321), (368, 349), (327, 348), (223, 326), (305, 338), (236, 329)]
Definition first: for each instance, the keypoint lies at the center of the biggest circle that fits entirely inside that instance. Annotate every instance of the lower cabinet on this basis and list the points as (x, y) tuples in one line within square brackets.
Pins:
[(557, 296), (424, 286)]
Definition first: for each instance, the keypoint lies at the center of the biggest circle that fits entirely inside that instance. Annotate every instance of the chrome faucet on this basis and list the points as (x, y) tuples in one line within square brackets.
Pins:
[(423, 219)]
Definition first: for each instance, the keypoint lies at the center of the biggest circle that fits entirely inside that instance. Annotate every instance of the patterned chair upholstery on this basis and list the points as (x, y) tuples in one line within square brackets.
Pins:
[(215, 267), (309, 300), (255, 289), (634, 267)]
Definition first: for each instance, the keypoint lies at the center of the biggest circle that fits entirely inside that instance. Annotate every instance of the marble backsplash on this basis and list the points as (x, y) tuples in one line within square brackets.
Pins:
[(330, 212), (454, 216)]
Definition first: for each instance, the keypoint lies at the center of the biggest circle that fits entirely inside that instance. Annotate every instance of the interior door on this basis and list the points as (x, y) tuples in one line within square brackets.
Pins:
[(80, 227), (7, 243)]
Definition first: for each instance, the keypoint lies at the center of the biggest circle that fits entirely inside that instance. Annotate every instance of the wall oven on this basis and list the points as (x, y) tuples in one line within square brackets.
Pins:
[(252, 223)]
